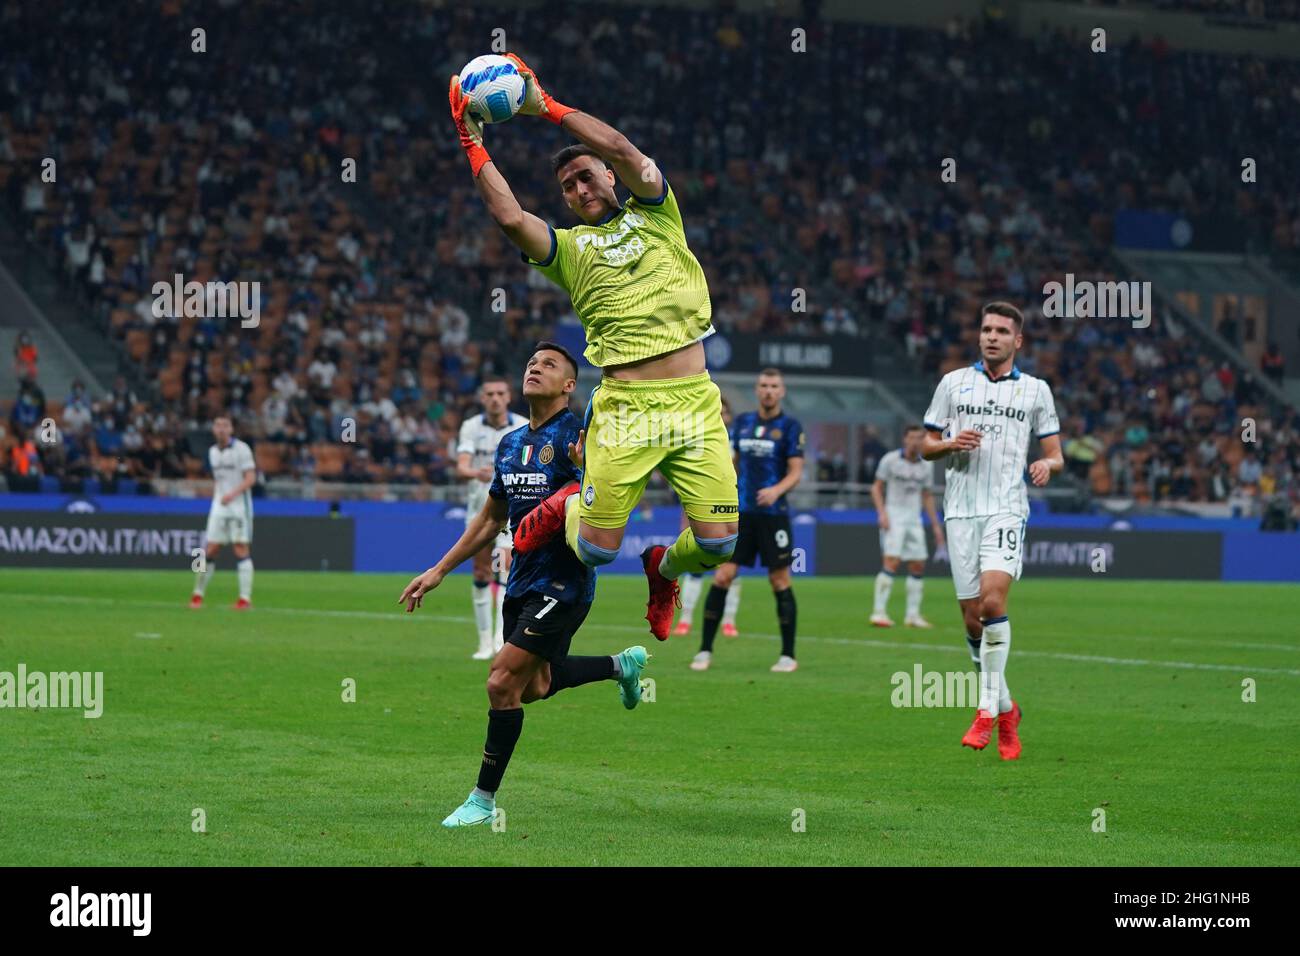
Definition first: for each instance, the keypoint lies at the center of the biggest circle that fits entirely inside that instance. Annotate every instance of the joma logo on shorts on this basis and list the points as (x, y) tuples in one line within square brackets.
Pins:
[(724, 509)]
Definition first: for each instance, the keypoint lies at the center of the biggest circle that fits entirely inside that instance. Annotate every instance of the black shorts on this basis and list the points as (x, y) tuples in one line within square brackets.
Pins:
[(765, 536), (542, 625)]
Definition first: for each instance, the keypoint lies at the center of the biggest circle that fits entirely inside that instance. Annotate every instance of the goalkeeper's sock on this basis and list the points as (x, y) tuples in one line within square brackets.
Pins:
[(694, 555), (575, 671), (201, 578), (504, 728), (713, 603)]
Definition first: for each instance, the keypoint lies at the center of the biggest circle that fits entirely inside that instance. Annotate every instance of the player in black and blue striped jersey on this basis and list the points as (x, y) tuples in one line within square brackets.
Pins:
[(768, 449), (549, 591)]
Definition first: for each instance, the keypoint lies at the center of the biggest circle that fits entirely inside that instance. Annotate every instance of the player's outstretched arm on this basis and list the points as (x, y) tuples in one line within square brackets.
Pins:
[(1041, 471), (481, 531), (637, 171)]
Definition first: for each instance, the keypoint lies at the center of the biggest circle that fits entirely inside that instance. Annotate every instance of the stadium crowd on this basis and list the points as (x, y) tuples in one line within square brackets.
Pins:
[(378, 296)]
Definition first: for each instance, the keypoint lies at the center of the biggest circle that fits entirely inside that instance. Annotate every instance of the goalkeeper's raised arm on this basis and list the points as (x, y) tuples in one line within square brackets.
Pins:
[(529, 233), (636, 170)]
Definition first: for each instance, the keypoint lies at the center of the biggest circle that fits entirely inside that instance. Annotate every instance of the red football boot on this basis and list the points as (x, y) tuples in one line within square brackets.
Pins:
[(196, 601), (663, 593), (682, 629), (1009, 733), (977, 738), (243, 604), (545, 521)]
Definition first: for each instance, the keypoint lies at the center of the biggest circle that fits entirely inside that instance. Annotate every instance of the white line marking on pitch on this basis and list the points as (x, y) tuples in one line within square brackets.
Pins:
[(1247, 669), (149, 635)]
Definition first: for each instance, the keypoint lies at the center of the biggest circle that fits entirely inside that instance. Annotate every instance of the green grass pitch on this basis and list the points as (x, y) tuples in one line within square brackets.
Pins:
[(1132, 693)]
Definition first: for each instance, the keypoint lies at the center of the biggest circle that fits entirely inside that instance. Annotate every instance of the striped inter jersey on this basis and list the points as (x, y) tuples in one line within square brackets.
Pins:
[(991, 479)]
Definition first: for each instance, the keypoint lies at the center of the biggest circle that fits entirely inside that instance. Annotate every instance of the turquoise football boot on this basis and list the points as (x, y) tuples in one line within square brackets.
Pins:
[(473, 811), (631, 662)]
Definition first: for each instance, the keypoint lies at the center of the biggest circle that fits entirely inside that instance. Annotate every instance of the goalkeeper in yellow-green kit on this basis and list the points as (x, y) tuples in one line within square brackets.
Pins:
[(644, 305)]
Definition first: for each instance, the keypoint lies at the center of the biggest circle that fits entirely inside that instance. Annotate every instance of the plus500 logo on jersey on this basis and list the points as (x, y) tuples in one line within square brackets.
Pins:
[(991, 409), (529, 479)]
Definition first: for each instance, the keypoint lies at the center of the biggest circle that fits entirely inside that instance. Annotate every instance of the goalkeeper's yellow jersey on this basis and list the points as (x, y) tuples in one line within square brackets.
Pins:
[(634, 282)]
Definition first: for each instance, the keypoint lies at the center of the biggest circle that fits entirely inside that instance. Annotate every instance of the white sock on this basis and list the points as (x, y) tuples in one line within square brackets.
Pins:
[(733, 603), (995, 697), (482, 598), (915, 586), (498, 632), (884, 584), (245, 570), (201, 578), (691, 585)]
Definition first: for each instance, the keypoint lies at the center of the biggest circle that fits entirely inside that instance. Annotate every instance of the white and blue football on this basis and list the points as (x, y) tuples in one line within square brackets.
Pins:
[(493, 86)]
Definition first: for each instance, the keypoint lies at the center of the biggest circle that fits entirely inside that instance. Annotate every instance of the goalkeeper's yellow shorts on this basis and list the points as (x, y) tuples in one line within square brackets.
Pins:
[(673, 424)]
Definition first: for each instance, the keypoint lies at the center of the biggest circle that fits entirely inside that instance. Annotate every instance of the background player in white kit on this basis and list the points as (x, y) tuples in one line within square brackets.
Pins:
[(234, 472), (904, 485), (981, 420), (476, 451)]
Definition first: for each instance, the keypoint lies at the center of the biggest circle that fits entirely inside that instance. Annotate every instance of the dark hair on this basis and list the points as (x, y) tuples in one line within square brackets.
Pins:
[(557, 347), (1006, 310), (913, 428), (569, 154), (769, 371), (492, 379)]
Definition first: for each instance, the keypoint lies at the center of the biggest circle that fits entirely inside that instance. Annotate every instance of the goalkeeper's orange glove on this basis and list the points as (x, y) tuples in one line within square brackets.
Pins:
[(537, 102), (469, 128)]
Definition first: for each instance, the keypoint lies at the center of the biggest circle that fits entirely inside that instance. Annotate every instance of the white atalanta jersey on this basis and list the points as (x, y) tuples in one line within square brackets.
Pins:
[(904, 481), (991, 479), (228, 466), (479, 440)]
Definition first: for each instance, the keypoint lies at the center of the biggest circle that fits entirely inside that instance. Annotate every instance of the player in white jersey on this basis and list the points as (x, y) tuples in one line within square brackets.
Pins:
[(476, 449), (904, 485), (234, 472), (981, 420)]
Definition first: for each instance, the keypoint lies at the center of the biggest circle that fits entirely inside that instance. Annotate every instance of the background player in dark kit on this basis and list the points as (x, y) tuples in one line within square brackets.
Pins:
[(768, 449)]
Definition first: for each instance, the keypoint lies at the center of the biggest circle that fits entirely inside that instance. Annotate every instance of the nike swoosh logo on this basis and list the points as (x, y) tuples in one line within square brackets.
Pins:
[(707, 567), (970, 389), (531, 633)]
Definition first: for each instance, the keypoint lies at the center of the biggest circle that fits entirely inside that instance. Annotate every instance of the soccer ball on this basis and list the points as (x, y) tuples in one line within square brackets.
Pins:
[(493, 86)]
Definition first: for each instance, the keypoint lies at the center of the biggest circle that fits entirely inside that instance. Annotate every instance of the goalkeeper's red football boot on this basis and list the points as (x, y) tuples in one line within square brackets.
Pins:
[(977, 738), (545, 521), (664, 597), (1009, 733), (196, 601)]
